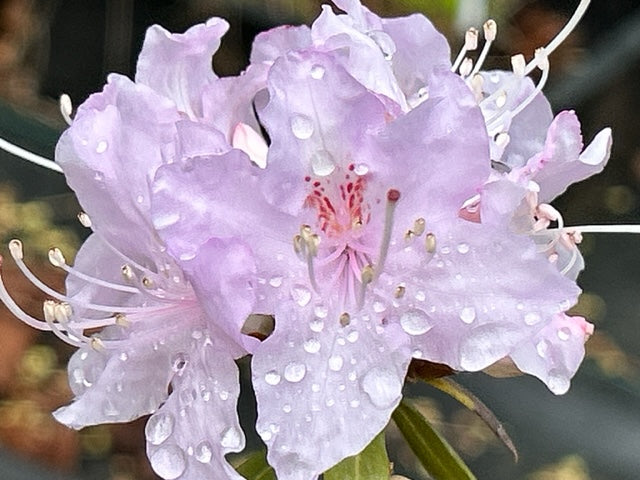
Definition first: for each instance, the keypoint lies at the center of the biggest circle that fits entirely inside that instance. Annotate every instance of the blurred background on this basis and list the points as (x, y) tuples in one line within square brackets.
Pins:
[(50, 47)]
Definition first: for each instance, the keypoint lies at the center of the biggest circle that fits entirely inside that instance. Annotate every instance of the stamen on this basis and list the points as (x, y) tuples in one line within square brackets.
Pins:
[(366, 277), (85, 220), (466, 67), (518, 63), (470, 44), (564, 33), (66, 108), (345, 319), (430, 243), (393, 196), (29, 156), (490, 28), (400, 291), (419, 226)]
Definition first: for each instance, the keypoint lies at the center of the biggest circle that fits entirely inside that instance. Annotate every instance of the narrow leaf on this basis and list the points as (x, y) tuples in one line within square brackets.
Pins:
[(433, 451), (254, 466), (473, 403), (370, 464)]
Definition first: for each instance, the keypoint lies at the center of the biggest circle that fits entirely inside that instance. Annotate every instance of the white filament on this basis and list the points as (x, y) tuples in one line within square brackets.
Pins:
[(29, 156)]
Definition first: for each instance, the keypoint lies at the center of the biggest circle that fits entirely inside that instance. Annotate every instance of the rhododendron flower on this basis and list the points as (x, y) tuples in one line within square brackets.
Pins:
[(397, 211), (156, 335), (360, 251)]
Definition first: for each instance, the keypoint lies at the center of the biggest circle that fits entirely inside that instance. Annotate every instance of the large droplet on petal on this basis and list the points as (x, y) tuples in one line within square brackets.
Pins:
[(203, 452), (385, 43), (415, 322), (322, 163), (301, 126), (301, 295), (382, 386), (295, 372), (168, 462), (231, 438), (159, 428)]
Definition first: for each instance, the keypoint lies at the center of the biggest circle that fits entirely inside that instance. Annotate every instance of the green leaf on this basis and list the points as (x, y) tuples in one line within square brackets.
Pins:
[(254, 466), (433, 451), (370, 464), (473, 403)]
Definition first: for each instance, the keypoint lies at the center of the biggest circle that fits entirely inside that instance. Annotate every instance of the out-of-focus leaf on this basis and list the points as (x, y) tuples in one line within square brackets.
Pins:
[(370, 464), (254, 466), (473, 403), (433, 451)]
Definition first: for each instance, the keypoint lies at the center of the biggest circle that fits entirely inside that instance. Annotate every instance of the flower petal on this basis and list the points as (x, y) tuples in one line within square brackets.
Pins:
[(178, 66), (190, 434), (324, 391), (555, 353), (277, 42), (477, 298)]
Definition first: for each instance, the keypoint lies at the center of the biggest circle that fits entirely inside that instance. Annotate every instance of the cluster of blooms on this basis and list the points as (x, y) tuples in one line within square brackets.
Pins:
[(380, 202)]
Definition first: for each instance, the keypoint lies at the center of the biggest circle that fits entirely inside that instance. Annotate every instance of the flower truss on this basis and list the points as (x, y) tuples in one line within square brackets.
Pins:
[(382, 203)]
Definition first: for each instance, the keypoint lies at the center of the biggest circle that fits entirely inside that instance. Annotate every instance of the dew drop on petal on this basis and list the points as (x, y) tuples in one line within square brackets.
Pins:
[(286, 408), (272, 377), (102, 146), (316, 325), (463, 248), (168, 462), (379, 307), (294, 372), (532, 318), (542, 347), (224, 395), (301, 126), (361, 169), (317, 72), (322, 163), (354, 403), (558, 382), (203, 452), (353, 336), (179, 362), (415, 322), (382, 387), (159, 427), (336, 362), (275, 282), (315, 387), (301, 295), (231, 438), (468, 315), (321, 311), (312, 345), (564, 334)]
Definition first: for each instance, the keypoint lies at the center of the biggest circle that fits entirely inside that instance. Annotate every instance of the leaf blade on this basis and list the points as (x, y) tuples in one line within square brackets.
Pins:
[(370, 464), (433, 451)]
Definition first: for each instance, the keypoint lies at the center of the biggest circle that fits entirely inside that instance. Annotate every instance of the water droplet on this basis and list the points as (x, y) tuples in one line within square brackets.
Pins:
[(159, 428), (140, 199), (468, 315), (520, 306), (322, 163), (205, 395), (321, 311), (542, 347), (98, 176), (168, 462), (224, 395), (203, 452), (336, 362), (302, 126), (102, 146), (272, 377), (361, 169), (532, 318), (379, 307), (286, 408), (312, 345), (179, 362), (564, 334), (382, 387), (301, 295), (317, 72), (415, 322), (315, 387), (295, 372), (316, 325), (385, 43), (558, 381), (353, 376), (123, 357), (352, 337), (265, 435), (165, 220), (420, 296), (231, 438), (275, 282), (463, 248), (446, 250), (354, 403), (329, 402)]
